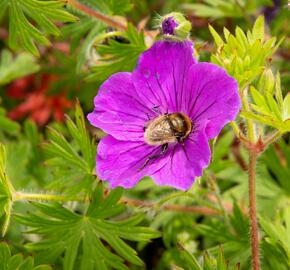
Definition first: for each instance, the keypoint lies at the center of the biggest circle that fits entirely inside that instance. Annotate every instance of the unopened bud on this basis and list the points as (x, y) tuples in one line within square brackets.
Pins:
[(174, 26)]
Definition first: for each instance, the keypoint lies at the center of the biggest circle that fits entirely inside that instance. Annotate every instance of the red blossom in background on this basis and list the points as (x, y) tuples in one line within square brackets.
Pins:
[(36, 104)]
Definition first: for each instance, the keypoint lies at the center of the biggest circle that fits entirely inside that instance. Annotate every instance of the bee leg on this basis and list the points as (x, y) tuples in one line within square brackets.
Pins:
[(163, 149)]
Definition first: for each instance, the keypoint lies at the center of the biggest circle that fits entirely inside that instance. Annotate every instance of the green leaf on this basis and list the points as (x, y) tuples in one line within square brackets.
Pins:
[(245, 56), (258, 29), (4, 256), (190, 260), (218, 40), (278, 231), (8, 262), (11, 69), (89, 240), (71, 158), (6, 190), (7, 125), (283, 126), (215, 9), (286, 108), (23, 32), (117, 56)]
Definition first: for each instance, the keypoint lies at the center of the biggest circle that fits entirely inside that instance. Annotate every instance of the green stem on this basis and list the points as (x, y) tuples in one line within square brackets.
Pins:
[(20, 196), (251, 125), (272, 138), (99, 16)]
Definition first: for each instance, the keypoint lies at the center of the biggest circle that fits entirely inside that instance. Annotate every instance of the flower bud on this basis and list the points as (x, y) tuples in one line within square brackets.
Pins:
[(174, 26)]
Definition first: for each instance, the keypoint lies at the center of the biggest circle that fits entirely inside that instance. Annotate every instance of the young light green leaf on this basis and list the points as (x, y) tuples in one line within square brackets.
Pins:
[(286, 108), (218, 40), (258, 29)]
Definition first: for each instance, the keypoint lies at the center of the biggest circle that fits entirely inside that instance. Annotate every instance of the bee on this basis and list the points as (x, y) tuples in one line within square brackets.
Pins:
[(166, 129)]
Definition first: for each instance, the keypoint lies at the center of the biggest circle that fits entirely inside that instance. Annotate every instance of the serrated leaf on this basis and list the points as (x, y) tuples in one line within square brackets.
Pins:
[(118, 56), (23, 32), (72, 157), (83, 236)]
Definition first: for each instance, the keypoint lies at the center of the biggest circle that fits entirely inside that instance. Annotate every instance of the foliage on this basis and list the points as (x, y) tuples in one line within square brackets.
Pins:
[(17, 261), (11, 69), (54, 210), (208, 263), (72, 161), (244, 55), (217, 9), (42, 12), (86, 232), (118, 56)]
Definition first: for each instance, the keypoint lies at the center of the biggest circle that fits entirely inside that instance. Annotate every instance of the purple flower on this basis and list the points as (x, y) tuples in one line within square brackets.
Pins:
[(160, 117)]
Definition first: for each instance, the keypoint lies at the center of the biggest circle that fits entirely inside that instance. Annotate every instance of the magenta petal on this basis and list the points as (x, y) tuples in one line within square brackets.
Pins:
[(184, 163), (161, 74), (213, 97), (119, 162), (118, 110)]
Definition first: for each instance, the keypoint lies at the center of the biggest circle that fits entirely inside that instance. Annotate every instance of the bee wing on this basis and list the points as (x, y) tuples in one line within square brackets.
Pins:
[(161, 132)]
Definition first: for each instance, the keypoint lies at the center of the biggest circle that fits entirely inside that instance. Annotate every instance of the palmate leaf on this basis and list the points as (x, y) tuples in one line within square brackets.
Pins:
[(72, 159), (233, 235), (277, 237), (89, 241), (88, 28), (12, 262), (22, 31), (117, 56), (207, 262)]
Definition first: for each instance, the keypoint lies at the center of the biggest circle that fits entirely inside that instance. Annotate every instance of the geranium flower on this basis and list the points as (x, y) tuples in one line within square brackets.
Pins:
[(166, 83)]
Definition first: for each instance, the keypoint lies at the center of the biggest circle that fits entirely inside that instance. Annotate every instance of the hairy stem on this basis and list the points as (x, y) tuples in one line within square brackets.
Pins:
[(250, 123), (21, 196), (253, 212), (253, 152), (272, 138), (93, 13)]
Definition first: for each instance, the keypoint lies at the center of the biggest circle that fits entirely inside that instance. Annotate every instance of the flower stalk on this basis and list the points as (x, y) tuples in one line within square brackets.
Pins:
[(253, 148), (20, 196), (207, 211), (99, 16), (253, 211)]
